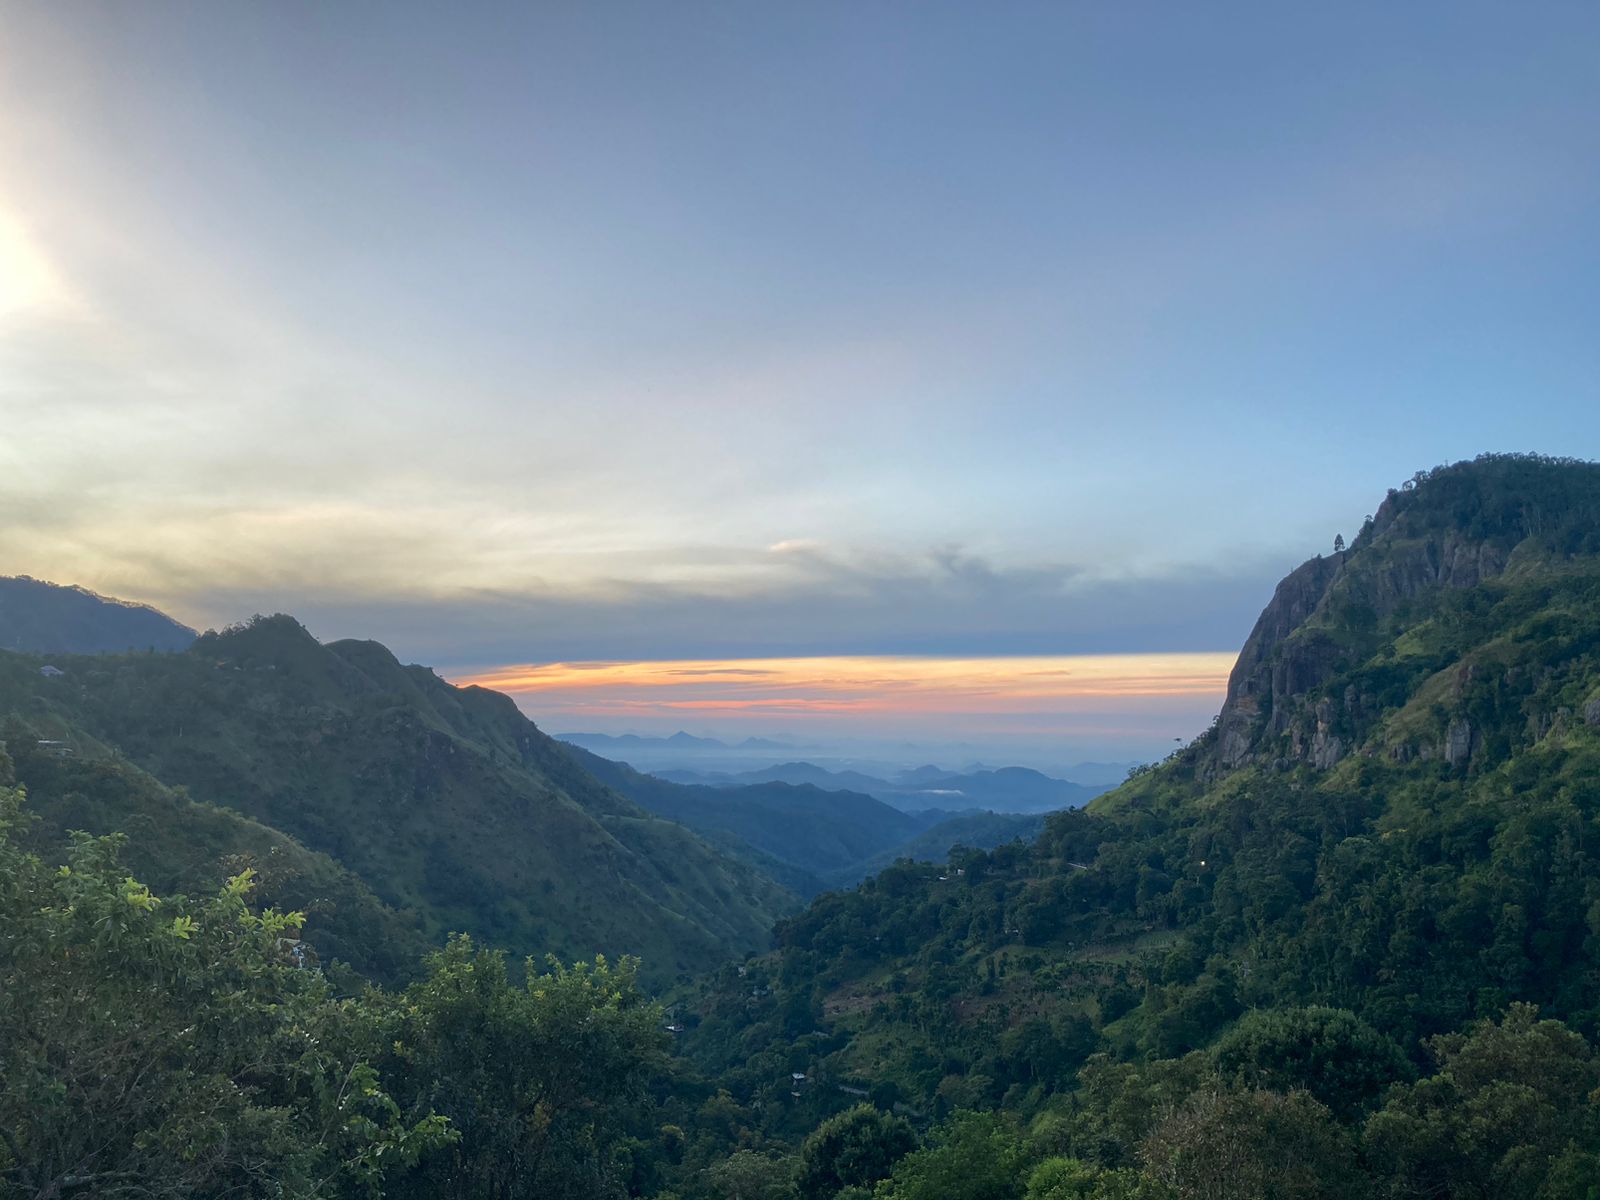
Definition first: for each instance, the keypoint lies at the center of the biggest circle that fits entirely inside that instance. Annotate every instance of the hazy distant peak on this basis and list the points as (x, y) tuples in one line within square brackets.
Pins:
[(38, 617)]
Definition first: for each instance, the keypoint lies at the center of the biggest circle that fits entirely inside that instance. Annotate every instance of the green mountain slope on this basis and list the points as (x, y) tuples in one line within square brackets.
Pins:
[(446, 801), (178, 845), (970, 830), (803, 835), (45, 618), (809, 839), (1397, 814)]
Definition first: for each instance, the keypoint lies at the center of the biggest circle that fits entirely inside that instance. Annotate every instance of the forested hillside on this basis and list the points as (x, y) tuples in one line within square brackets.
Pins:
[(807, 838), (1294, 925), (448, 803)]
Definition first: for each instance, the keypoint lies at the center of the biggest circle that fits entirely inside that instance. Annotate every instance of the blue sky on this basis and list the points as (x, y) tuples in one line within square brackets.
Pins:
[(513, 333)]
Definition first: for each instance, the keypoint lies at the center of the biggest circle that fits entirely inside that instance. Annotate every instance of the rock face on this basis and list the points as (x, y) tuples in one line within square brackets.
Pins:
[(1261, 674), (1293, 648), (1458, 743)]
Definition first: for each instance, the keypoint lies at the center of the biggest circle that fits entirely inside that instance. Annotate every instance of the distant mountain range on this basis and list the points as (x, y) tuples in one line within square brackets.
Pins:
[(46, 618), (1004, 790), (808, 838)]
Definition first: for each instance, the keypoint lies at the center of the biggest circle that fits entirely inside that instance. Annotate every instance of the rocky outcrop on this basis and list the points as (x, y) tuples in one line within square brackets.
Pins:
[(1259, 675), (1291, 653), (1458, 742), (1591, 711)]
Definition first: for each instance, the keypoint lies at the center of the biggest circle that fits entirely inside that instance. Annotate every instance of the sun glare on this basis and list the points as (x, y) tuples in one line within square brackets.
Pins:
[(27, 279)]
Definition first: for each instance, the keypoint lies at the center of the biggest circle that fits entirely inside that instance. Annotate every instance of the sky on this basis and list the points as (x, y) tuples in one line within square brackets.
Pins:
[(621, 333)]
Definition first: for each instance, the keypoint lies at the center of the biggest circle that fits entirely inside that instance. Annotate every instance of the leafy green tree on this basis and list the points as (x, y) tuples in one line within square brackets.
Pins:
[(541, 1080), (164, 1048), (748, 1175), (1333, 1054), (973, 1156), (1512, 1108), (856, 1148), (1061, 1178), (1118, 1103)]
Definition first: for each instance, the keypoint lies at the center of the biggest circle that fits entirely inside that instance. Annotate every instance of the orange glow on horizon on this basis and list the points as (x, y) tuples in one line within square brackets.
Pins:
[(879, 685)]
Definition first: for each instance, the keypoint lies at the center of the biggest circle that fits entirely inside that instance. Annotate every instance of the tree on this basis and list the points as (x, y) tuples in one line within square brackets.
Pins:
[(747, 1175), (1340, 1059), (974, 1156), (857, 1148), (1251, 1145), (541, 1080), (1338, 543), (1069, 1179), (164, 1048), (1511, 1108)]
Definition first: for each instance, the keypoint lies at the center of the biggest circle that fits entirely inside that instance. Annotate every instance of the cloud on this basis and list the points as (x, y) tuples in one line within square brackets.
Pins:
[(941, 602)]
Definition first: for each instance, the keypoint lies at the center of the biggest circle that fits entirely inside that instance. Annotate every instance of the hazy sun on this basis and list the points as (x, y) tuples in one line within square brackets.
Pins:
[(27, 280)]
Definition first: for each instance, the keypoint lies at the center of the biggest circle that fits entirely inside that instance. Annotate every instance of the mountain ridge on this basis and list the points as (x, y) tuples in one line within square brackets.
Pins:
[(40, 617), (446, 801)]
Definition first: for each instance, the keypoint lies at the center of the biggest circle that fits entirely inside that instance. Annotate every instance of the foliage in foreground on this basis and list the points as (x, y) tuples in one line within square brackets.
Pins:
[(173, 1048), (167, 1048), (170, 1047)]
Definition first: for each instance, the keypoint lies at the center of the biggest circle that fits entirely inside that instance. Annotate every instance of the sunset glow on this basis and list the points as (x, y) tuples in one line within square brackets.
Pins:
[(1024, 695)]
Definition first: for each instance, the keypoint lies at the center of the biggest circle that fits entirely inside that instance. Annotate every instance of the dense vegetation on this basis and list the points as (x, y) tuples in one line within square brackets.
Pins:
[(1346, 945), (1439, 873), (446, 802)]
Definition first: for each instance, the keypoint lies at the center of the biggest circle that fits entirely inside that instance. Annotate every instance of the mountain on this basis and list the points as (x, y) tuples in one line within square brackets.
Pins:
[(809, 838), (179, 845), (1388, 842), (445, 801), (1006, 790), (45, 618), (799, 774), (968, 830), (805, 837)]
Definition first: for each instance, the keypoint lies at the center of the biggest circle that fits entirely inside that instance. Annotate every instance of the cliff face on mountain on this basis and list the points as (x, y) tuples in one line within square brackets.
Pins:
[(1509, 519)]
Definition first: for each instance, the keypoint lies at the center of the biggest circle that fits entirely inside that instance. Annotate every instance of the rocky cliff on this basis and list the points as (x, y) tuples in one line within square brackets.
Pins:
[(1449, 530)]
